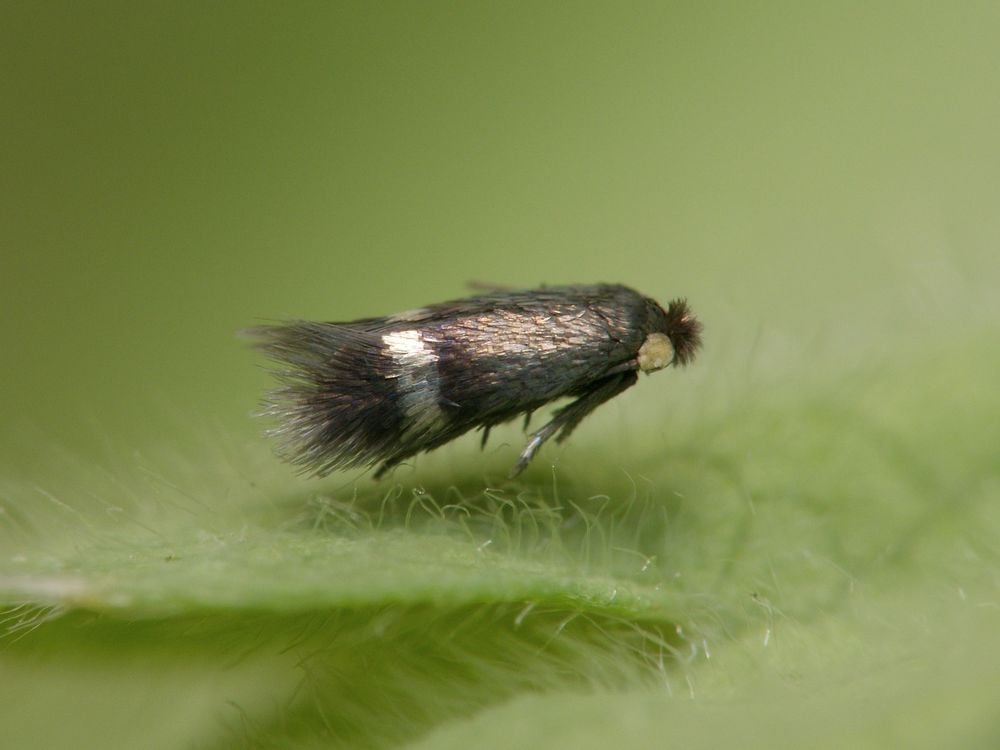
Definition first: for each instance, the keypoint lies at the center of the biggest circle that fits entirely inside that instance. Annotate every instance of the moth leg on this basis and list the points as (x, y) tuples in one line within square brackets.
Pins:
[(486, 435), (632, 364), (572, 414), (565, 420), (532, 447), (385, 467)]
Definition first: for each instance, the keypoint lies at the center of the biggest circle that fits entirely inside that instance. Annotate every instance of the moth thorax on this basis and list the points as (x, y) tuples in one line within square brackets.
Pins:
[(655, 353)]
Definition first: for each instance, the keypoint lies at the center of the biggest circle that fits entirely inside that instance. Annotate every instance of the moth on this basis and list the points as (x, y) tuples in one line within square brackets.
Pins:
[(377, 391)]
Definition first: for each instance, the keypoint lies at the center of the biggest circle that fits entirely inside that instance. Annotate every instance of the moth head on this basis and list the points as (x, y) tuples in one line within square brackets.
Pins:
[(675, 342), (655, 353)]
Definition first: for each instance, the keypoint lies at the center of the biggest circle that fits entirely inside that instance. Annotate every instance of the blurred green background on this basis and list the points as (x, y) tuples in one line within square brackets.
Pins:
[(172, 173), (821, 181)]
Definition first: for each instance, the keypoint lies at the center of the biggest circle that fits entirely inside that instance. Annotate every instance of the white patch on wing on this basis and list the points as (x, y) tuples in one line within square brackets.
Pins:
[(416, 380)]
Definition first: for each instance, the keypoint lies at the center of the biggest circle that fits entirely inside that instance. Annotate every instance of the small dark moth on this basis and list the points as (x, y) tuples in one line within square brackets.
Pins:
[(379, 390)]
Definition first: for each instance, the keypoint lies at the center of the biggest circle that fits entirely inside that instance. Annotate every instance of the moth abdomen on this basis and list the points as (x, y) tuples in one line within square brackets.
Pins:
[(379, 390), (335, 406)]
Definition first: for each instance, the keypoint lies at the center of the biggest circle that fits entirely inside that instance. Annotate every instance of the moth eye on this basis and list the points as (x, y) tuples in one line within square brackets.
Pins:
[(655, 353)]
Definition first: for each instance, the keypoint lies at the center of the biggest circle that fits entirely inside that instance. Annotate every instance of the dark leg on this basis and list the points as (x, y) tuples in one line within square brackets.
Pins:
[(565, 420), (386, 466)]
